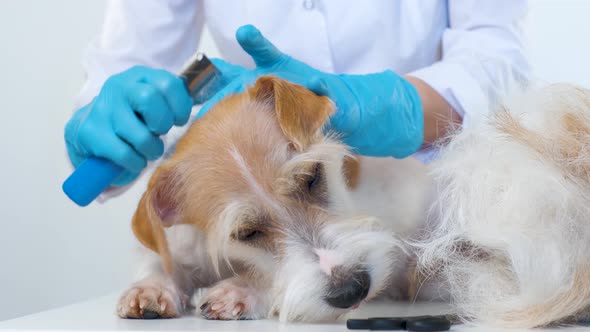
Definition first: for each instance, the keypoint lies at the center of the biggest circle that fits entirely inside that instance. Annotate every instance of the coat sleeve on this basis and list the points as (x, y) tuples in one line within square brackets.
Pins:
[(482, 55), (155, 33)]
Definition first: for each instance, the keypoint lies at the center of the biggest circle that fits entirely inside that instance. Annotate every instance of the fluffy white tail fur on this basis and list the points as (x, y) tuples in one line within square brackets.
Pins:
[(512, 235)]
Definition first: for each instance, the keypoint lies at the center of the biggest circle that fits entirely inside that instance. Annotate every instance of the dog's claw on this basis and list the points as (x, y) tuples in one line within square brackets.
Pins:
[(144, 302), (238, 310)]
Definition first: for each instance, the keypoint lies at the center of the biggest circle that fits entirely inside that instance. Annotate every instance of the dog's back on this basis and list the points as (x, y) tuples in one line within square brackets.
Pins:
[(513, 239)]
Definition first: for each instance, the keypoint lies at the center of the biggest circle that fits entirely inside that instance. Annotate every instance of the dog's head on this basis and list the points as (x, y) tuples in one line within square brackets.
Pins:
[(270, 191)]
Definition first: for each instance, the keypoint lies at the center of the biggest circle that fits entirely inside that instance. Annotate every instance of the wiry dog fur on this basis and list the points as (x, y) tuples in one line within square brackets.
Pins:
[(272, 215), (511, 234), (275, 217)]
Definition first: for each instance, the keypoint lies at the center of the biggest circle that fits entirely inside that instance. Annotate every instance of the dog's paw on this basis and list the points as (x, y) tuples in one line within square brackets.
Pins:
[(232, 300), (151, 298)]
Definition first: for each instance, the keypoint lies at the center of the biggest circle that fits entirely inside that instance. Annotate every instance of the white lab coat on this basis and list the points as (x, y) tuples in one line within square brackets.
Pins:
[(470, 51)]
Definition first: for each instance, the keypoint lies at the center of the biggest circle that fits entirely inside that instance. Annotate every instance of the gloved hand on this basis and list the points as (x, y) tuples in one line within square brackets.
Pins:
[(378, 114), (123, 122)]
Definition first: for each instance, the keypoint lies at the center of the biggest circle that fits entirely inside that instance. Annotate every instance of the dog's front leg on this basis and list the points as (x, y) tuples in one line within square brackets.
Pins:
[(155, 294), (239, 297)]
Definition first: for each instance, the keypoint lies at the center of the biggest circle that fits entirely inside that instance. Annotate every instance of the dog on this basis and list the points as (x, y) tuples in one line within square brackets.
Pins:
[(272, 215)]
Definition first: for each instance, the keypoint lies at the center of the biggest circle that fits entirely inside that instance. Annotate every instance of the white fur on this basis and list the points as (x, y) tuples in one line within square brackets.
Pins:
[(522, 209)]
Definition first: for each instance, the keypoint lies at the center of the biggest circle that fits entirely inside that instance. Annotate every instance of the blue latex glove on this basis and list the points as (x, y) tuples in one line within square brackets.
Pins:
[(124, 121), (378, 114)]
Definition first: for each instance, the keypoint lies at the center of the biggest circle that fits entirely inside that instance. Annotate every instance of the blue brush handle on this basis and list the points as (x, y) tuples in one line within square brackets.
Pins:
[(94, 174), (90, 179)]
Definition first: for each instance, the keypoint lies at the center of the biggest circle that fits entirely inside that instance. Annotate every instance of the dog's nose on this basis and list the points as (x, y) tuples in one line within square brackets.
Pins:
[(348, 289)]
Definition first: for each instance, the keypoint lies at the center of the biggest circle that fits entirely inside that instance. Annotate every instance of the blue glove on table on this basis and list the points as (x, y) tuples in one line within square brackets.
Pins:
[(124, 121), (377, 114)]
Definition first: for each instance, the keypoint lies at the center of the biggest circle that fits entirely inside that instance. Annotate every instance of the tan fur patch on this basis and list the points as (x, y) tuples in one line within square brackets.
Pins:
[(565, 151), (300, 112), (352, 171)]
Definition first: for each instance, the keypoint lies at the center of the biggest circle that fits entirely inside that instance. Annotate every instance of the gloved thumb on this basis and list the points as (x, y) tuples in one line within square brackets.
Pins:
[(262, 51)]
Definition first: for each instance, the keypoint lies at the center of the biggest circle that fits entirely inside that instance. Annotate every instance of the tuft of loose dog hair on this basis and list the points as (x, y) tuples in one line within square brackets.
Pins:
[(510, 233)]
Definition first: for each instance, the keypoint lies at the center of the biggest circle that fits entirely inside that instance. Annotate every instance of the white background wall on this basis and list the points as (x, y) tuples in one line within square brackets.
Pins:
[(53, 253)]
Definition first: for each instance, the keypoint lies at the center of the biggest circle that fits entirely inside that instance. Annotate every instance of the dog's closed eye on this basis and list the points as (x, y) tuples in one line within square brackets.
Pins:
[(248, 235), (252, 230)]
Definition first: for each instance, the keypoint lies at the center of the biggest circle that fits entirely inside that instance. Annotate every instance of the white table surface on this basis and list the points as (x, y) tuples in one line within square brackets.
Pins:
[(99, 315)]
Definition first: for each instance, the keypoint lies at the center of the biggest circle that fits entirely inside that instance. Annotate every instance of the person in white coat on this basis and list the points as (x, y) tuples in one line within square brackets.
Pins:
[(400, 72)]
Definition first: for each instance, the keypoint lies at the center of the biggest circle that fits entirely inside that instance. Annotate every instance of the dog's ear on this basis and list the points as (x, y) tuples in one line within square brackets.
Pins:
[(300, 112), (158, 208)]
